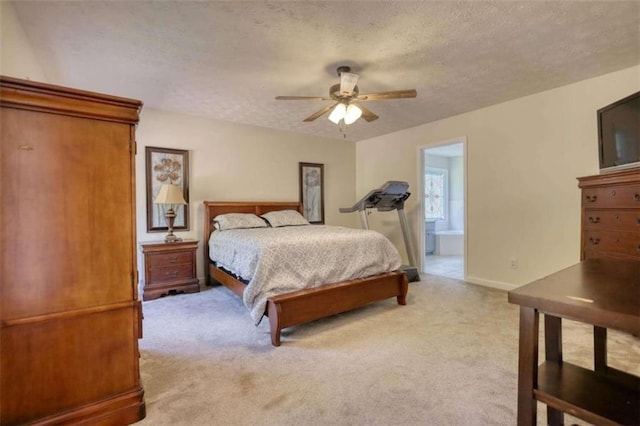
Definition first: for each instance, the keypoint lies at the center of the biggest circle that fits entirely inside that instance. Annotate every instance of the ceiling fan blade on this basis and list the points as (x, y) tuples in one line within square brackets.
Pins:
[(302, 98), (319, 113), (367, 115), (395, 94), (348, 81)]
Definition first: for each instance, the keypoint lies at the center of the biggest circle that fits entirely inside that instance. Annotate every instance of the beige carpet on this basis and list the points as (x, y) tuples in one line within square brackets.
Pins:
[(447, 358)]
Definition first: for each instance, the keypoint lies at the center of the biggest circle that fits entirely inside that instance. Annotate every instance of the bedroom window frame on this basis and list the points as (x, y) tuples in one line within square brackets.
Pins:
[(444, 173)]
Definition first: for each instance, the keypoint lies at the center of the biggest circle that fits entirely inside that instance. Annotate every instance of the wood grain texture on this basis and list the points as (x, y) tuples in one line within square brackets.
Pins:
[(69, 314), (604, 293), (80, 173), (596, 398), (610, 224), (169, 267), (311, 304), (29, 95), (527, 366), (601, 292)]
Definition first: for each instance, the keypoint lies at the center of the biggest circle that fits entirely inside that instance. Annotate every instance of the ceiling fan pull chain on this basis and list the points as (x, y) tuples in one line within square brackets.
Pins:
[(343, 129)]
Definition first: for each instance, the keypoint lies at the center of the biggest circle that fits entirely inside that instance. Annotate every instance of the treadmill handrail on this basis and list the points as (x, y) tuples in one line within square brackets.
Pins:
[(390, 196)]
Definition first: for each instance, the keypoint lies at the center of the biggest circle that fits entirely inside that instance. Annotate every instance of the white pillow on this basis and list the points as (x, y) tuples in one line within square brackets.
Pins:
[(284, 218), (228, 221)]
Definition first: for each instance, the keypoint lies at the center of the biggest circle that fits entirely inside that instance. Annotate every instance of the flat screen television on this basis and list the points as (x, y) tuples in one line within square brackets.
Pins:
[(619, 134)]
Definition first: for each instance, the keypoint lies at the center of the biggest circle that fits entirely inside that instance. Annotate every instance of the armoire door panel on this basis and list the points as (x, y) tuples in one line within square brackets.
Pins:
[(35, 356), (78, 179)]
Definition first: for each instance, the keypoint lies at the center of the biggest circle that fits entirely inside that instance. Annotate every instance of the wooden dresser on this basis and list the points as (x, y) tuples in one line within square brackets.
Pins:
[(611, 215), (70, 317), (169, 267)]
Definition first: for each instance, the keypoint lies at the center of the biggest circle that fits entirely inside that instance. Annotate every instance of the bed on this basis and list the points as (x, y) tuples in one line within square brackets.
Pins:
[(301, 306)]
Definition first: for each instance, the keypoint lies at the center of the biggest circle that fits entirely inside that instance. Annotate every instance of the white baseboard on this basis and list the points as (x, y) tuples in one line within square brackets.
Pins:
[(493, 284)]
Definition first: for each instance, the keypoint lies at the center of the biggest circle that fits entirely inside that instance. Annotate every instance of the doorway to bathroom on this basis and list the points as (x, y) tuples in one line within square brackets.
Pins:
[(443, 206)]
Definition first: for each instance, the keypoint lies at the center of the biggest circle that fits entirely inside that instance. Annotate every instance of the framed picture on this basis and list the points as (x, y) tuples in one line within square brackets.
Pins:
[(312, 191), (165, 165)]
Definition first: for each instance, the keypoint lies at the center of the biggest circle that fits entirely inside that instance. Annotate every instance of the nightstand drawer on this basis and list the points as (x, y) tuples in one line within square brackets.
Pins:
[(167, 259), (170, 273)]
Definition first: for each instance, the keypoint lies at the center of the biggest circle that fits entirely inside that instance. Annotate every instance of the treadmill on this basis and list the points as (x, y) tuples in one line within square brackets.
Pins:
[(390, 196)]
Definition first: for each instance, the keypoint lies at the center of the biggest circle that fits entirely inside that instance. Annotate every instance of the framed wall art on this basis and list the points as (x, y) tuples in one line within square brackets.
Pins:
[(163, 166), (312, 191)]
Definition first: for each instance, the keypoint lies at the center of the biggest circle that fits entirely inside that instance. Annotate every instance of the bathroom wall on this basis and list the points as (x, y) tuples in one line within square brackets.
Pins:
[(455, 202)]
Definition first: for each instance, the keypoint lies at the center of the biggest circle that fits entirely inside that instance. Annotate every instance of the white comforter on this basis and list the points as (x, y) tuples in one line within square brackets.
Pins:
[(281, 260)]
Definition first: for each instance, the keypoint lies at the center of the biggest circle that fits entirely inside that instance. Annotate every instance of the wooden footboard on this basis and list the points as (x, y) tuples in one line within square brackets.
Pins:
[(307, 305)]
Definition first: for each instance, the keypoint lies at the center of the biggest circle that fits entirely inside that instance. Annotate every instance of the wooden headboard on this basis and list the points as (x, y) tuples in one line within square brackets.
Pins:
[(214, 208)]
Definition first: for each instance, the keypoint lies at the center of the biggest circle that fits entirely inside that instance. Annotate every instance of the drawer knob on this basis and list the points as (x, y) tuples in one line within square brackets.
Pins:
[(172, 274), (594, 219), (594, 241), (636, 197), (638, 221), (173, 259), (591, 198)]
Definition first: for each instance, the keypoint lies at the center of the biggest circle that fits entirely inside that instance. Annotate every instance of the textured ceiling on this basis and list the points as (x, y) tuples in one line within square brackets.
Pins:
[(228, 60)]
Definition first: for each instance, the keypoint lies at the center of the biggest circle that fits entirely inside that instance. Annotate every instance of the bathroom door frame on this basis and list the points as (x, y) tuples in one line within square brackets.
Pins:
[(421, 168)]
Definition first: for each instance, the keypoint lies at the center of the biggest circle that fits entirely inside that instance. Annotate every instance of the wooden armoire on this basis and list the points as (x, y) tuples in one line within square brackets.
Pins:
[(70, 318)]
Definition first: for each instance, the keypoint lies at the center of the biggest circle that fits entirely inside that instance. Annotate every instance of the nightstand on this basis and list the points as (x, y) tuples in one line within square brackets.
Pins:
[(169, 267)]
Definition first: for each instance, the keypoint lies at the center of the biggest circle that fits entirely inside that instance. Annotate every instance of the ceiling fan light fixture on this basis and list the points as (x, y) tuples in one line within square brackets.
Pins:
[(342, 112), (352, 114), (338, 113)]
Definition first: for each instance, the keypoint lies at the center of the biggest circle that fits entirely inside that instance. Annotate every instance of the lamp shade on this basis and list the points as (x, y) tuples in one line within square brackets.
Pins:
[(170, 194), (352, 114), (338, 113)]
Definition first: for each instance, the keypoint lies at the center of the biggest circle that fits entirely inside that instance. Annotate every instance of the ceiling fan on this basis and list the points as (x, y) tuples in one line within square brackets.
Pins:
[(347, 106)]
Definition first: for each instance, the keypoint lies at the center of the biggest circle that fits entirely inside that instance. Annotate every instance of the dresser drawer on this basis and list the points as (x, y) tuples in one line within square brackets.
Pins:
[(613, 242), (169, 273), (625, 196), (614, 220), (175, 258)]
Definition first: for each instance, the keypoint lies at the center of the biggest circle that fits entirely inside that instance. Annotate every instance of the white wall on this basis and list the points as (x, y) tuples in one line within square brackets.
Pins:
[(233, 162), (523, 158), (456, 193), (17, 58)]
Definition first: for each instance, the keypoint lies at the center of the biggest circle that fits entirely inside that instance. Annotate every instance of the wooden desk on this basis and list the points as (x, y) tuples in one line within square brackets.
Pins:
[(601, 292)]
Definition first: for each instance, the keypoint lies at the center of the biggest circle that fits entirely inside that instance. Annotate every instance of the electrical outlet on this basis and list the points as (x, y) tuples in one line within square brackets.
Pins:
[(514, 263)]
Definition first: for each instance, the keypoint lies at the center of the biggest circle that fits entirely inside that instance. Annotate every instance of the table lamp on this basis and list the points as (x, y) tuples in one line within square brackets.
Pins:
[(170, 194)]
